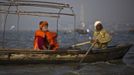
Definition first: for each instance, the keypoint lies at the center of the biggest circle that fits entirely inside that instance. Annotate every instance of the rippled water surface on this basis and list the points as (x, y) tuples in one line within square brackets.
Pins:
[(124, 67)]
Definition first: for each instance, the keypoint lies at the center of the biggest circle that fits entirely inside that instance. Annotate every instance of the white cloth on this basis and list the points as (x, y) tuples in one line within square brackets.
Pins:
[(97, 22)]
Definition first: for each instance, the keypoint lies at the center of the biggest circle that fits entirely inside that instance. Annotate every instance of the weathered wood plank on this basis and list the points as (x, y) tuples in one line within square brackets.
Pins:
[(63, 55)]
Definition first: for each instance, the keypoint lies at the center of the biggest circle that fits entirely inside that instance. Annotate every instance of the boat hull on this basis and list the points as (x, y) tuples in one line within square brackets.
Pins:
[(9, 56)]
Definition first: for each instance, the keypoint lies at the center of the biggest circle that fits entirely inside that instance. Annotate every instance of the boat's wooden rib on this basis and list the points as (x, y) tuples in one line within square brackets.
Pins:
[(62, 56), (37, 4), (35, 13), (33, 1), (31, 14)]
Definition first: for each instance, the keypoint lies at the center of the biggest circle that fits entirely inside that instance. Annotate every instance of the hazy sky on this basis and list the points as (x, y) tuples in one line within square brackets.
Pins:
[(110, 12)]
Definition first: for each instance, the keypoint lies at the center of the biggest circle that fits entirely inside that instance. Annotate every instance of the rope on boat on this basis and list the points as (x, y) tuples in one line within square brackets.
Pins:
[(4, 31), (18, 21), (58, 20), (35, 3)]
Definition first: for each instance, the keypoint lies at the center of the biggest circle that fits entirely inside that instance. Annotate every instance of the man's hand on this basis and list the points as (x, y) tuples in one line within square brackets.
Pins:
[(94, 41)]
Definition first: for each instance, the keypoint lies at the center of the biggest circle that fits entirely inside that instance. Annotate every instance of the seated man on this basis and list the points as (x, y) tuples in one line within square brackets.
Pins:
[(100, 36), (44, 39)]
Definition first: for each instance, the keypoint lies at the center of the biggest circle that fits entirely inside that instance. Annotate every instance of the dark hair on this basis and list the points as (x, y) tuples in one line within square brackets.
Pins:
[(41, 22)]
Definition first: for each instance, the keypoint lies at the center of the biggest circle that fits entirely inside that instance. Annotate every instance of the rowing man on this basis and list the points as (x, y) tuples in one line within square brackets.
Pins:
[(100, 36)]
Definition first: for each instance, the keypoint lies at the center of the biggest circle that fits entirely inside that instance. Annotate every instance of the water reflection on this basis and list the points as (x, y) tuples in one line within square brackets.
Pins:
[(99, 68)]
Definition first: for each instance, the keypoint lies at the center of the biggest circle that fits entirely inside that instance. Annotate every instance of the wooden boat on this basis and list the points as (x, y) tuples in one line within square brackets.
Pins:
[(19, 56)]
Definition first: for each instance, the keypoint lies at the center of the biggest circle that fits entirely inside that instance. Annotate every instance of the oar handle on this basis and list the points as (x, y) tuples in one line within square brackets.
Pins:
[(83, 43)]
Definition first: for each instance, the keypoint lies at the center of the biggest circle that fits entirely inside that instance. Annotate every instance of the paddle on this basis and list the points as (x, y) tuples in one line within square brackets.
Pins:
[(89, 49), (80, 44), (83, 43)]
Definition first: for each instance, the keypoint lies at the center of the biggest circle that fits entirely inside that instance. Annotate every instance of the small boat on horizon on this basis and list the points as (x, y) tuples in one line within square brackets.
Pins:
[(81, 31), (131, 30)]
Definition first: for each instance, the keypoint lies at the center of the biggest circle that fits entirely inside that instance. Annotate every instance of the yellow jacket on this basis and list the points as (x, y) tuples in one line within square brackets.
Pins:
[(103, 38)]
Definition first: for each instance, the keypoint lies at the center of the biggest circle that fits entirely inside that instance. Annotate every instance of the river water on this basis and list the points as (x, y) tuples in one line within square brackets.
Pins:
[(25, 40)]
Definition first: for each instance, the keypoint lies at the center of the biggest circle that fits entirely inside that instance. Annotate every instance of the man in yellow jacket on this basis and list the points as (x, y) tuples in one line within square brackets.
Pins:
[(100, 36)]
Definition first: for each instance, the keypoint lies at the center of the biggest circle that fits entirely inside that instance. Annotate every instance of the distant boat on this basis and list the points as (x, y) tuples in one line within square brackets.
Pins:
[(82, 29), (131, 30)]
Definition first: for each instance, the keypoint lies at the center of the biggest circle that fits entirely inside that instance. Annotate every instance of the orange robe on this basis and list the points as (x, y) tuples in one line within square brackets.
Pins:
[(39, 40), (52, 40), (45, 40)]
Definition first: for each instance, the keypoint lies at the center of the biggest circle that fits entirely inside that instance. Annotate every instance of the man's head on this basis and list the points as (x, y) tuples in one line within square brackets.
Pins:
[(98, 25), (43, 25)]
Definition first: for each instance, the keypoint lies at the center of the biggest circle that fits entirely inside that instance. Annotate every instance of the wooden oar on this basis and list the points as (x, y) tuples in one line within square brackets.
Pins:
[(89, 49), (80, 44)]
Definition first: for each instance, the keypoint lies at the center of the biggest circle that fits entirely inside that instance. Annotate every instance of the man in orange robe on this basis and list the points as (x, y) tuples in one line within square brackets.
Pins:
[(44, 39)]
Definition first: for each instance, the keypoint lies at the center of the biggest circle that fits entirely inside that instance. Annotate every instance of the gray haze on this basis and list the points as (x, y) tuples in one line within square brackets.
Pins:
[(110, 12)]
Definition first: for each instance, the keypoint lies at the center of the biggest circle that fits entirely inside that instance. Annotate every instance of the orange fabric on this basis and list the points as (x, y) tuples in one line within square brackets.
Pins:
[(52, 39), (35, 45), (38, 35)]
